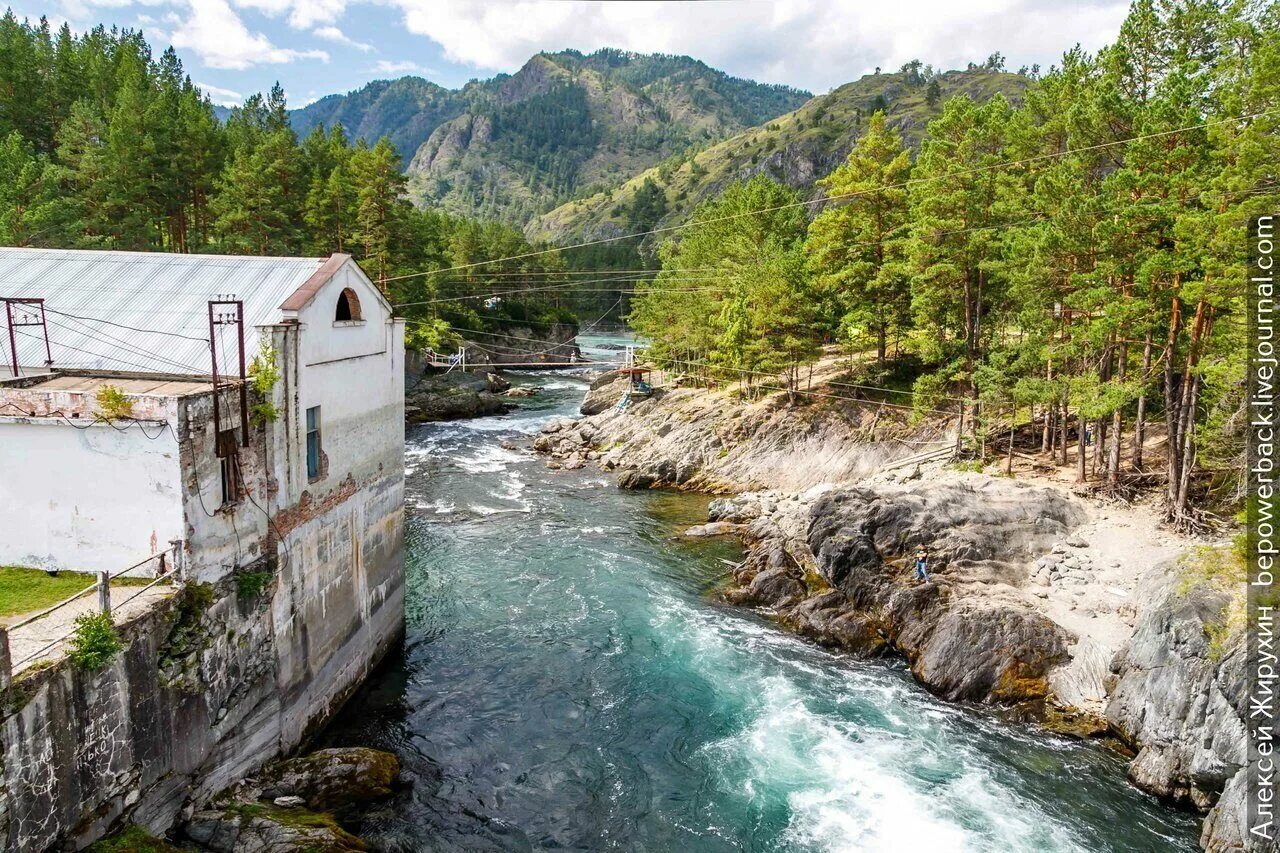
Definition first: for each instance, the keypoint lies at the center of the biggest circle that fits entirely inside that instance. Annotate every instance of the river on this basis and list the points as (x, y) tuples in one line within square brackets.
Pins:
[(567, 683)]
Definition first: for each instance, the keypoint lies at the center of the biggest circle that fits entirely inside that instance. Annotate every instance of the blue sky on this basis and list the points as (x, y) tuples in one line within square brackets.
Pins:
[(316, 47)]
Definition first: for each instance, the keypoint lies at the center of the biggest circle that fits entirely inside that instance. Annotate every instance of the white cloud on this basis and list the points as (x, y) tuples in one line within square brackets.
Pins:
[(220, 38), (302, 14), (219, 95), (386, 66), (337, 36), (815, 44)]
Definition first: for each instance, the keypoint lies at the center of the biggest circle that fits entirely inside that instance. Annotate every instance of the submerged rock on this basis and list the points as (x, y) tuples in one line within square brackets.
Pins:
[(291, 805), (713, 528)]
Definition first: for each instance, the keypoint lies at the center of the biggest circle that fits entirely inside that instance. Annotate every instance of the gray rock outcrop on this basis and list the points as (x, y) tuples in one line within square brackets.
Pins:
[(454, 395), (836, 567), (1180, 700)]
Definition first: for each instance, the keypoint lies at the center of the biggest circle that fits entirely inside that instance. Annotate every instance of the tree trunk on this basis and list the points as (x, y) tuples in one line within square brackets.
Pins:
[(1117, 424), (1062, 434), (1140, 419), (1082, 474), (1008, 460), (1173, 463), (1188, 452)]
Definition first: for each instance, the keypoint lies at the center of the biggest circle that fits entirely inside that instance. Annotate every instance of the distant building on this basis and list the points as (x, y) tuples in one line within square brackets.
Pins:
[(94, 479)]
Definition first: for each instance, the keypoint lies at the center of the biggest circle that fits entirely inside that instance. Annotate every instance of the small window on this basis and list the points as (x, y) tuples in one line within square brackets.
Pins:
[(348, 307), (313, 442), (229, 471)]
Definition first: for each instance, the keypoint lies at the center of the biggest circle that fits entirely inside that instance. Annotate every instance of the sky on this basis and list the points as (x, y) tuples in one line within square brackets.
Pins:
[(234, 48)]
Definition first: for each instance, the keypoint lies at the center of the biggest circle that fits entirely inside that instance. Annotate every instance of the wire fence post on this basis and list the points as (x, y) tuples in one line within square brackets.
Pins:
[(104, 592), (6, 662), (177, 565)]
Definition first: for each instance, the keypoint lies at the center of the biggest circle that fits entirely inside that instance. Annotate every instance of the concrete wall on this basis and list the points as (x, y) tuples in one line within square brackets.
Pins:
[(189, 708), (86, 498), (342, 532), (220, 538)]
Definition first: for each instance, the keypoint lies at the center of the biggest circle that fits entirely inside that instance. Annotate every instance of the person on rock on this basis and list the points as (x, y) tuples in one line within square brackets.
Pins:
[(922, 564)]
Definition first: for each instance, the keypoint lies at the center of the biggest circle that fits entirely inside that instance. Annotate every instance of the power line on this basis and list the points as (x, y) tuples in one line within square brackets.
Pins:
[(111, 340), (744, 371), (108, 358), (840, 196), (123, 326), (1042, 216)]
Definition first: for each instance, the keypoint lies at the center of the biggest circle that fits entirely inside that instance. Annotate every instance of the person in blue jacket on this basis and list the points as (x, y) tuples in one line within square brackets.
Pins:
[(922, 564)]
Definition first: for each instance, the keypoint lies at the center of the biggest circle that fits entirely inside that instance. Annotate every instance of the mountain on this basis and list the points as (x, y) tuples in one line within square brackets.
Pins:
[(406, 111), (795, 149), (564, 126)]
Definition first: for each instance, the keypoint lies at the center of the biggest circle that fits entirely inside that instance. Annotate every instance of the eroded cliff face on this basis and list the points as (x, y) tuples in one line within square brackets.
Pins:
[(1180, 700)]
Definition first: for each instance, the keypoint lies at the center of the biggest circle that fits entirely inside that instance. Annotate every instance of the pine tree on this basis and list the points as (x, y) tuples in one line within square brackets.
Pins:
[(379, 204), (856, 248)]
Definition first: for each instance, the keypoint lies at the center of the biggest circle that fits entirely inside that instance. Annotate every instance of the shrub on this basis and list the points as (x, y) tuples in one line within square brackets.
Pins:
[(94, 641), (135, 839), (251, 584), (113, 404), (264, 372)]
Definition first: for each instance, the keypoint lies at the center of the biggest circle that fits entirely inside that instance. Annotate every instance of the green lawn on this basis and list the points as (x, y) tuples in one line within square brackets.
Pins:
[(25, 590)]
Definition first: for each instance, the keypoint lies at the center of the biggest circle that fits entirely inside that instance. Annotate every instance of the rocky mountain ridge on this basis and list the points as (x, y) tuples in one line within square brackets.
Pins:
[(795, 149), (513, 146)]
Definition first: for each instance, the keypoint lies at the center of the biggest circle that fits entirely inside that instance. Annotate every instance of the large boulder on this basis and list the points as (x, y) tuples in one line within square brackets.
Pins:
[(455, 395), (330, 779), (605, 393), (1180, 697), (835, 565)]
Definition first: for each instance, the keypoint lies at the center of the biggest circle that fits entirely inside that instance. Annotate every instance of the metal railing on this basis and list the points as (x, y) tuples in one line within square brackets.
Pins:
[(166, 570)]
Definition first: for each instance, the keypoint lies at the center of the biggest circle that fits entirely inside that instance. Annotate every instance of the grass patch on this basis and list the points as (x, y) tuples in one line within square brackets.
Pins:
[(27, 590), (135, 839)]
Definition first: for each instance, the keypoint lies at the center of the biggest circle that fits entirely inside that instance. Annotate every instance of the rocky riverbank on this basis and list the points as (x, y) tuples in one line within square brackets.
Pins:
[(1048, 604), (438, 396)]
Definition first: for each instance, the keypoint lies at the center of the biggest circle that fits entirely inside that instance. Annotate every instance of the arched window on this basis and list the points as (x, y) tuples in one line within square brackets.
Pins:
[(348, 306)]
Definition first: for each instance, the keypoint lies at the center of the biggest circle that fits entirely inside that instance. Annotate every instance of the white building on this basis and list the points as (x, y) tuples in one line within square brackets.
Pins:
[(313, 493)]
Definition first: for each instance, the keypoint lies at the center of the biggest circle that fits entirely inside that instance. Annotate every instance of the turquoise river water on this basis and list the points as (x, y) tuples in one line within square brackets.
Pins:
[(567, 683)]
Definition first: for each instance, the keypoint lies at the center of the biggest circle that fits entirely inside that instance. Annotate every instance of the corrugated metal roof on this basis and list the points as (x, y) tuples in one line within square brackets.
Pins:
[(162, 297)]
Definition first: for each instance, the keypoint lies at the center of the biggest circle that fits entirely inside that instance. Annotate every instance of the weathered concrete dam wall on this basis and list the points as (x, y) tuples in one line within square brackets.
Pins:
[(212, 683)]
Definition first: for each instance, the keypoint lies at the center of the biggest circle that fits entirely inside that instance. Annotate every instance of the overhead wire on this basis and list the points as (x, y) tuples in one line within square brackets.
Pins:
[(112, 341), (109, 358), (808, 392), (124, 326)]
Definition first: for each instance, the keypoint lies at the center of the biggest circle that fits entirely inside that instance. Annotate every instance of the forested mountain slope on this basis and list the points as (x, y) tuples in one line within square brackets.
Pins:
[(795, 149), (514, 146), (405, 111)]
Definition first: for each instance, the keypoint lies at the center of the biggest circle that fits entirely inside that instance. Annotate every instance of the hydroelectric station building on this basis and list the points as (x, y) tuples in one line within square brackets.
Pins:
[(234, 426)]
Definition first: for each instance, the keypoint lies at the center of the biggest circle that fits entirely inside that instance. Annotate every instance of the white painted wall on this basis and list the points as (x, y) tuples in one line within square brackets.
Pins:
[(86, 499), (355, 374)]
